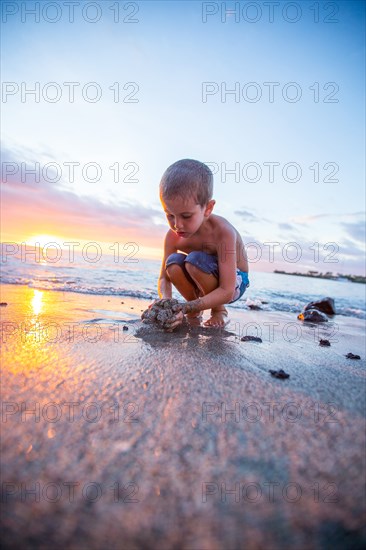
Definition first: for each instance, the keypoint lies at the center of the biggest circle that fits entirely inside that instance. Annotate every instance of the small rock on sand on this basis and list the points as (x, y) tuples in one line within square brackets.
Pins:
[(279, 374), (313, 316), (324, 343), (326, 305), (251, 339), (253, 304), (351, 355)]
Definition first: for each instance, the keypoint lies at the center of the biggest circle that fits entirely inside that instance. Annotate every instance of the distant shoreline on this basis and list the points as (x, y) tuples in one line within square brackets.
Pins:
[(328, 275)]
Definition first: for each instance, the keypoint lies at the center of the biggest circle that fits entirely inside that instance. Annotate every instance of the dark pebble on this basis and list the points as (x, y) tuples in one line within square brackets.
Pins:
[(352, 356), (324, 343), (125, 327), (313, 316), (3, 304), (279, 374), (254, 307), (326, 305), (251, 339)]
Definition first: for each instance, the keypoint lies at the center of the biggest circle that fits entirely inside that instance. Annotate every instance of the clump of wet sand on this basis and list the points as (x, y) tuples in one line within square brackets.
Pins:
[(161, 312)]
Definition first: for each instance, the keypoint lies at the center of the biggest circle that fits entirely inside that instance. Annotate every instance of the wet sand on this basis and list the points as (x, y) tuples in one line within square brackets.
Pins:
[(137, 438)]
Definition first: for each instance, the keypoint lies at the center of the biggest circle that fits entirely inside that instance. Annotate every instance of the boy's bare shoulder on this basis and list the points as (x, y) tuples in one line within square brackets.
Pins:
[(224, 229), (222, 225), (171, 237)]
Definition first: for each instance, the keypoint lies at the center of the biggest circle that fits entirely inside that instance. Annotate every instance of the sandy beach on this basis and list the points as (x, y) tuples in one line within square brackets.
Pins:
[(118, 435)]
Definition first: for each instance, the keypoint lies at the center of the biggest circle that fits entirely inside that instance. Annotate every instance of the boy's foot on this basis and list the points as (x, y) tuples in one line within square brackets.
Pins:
[(194, 319), (219, 318)]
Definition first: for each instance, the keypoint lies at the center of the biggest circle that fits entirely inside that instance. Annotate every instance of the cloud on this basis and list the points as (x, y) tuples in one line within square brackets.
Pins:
[(356, 230), (303, 220), (286, 226), (250, 217), (348, 248), (44, 207), (246, 216)]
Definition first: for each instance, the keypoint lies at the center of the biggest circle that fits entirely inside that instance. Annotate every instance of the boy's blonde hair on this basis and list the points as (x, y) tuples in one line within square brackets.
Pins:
[(187, 179)]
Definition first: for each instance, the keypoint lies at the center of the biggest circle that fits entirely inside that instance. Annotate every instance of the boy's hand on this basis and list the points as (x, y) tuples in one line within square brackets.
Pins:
[(175, 321), (190, 308)]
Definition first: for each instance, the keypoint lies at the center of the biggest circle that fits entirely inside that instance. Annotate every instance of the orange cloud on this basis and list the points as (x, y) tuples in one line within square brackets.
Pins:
[(29, 209)]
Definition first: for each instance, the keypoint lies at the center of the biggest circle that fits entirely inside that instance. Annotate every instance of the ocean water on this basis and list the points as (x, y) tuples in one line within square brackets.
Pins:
[(137, 278)]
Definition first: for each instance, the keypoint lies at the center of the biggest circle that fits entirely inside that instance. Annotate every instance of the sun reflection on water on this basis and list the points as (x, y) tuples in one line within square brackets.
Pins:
[(37, 302)]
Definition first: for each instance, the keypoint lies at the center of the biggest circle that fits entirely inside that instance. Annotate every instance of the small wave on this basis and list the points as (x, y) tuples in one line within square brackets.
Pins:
[(104, 291), (15, 280), (352, 312)]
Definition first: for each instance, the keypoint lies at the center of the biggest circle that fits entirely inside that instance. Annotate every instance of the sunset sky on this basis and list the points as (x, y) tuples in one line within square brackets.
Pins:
[(161, 71)]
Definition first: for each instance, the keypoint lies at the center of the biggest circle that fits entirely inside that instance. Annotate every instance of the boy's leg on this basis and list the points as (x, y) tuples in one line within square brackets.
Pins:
[(183, 285), (206, 282)]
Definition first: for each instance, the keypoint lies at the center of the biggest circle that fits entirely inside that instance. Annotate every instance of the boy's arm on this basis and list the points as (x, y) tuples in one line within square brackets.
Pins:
[(164, 283), (226, 255)]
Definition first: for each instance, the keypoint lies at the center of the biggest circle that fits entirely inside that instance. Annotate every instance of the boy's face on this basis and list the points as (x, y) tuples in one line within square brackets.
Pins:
[(185, 217)]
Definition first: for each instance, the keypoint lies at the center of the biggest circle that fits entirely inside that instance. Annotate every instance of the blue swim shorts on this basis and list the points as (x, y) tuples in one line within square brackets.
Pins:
[(209, 264)]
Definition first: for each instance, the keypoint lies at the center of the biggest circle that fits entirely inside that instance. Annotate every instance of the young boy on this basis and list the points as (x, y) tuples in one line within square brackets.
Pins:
[(204, 255)]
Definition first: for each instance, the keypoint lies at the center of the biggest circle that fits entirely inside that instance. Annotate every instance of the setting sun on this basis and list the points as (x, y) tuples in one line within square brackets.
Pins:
[(44, 240)]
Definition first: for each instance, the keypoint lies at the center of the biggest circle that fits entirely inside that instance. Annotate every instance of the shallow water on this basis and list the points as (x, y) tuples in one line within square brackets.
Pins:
[(137, 278)]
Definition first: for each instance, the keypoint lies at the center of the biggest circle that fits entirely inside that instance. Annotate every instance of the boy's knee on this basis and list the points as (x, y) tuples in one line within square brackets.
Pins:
[(193, 257), (193, 262), (202, 262), (177, 258)]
